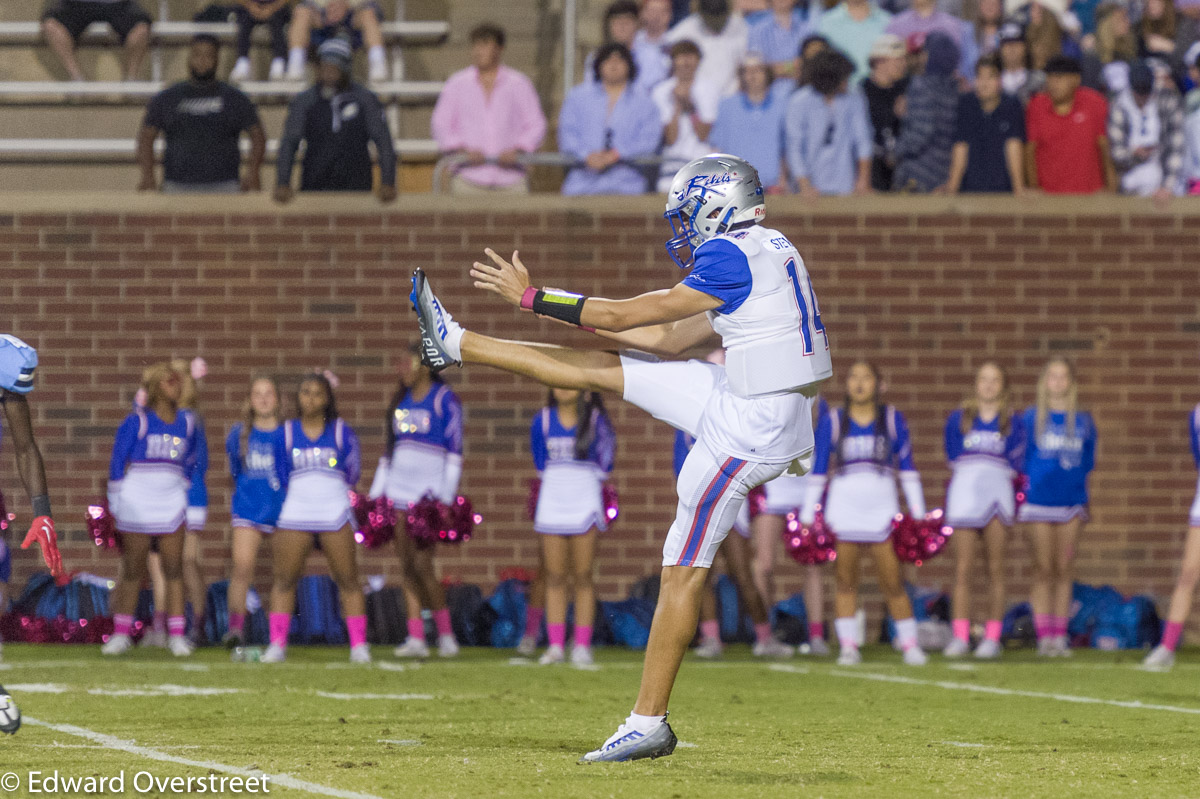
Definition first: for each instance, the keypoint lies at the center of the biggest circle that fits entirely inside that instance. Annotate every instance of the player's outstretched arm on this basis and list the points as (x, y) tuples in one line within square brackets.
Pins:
[(511, 282), (671, 339), (33, 475)]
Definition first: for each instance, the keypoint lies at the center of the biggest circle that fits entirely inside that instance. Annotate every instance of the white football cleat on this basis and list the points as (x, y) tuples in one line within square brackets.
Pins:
[(360, 654), (274, 654), (629, 744), (988, 649), (1062, 649), (447, 646), (527, 646), (412, 648), (772, 648), (709, 648), (10, 714), (915, 656), (581, 656), (552, 656), (117, 645), (849, 656), (179, 646), (956, 648), (1159, 658), (1045, 647)]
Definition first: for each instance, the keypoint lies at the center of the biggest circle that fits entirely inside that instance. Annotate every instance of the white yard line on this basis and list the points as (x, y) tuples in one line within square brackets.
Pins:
[(130, 747), (353, 697), (963, 744)]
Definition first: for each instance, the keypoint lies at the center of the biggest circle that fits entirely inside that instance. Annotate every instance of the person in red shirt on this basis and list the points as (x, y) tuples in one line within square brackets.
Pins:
[(1067, 148)]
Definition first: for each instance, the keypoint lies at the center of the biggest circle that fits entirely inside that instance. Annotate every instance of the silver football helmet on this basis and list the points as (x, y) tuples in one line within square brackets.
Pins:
[(708, 197)]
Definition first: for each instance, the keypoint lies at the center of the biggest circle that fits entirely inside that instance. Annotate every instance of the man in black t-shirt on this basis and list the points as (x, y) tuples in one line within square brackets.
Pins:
[(202, 120), (989, 137), (884, 88)]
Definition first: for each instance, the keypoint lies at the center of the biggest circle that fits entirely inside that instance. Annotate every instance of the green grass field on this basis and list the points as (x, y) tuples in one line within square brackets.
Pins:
[(484, 726)]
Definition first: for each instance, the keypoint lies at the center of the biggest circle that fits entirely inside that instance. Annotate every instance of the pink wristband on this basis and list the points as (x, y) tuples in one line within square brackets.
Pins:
[(527, 298)]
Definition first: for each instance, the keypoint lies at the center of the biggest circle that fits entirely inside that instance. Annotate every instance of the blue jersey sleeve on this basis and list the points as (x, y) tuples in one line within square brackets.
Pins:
[(604, 444), (1088, 432), (123, 444), (1015, 445), (1194, 434), (722, 271), (283, 458), (351, 456), (233, 451), (823, 445), (683, 445), (198, 463), (537, 442), (953, 436), (902, 446), (453, 428), (1029, 425), (18, 361)]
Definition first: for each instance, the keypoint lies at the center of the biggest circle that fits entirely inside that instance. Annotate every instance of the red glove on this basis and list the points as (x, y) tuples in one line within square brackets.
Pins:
[(42, 531)]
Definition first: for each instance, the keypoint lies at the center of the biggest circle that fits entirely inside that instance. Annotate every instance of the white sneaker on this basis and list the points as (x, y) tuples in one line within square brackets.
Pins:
[(447, 646), (915, 656), (1159, 658), (818, 647), (710, 648), (1046, 647), (412, 648), (527, 646), (1061, 648), (278, 69), (849, 656), (179, 646), (241, 71), (582, 656), (117, 645), (153, 638), (552, 656), (378, 72), (956, 648), (360, 654), (274, 654), (988, 649), (772, 648)]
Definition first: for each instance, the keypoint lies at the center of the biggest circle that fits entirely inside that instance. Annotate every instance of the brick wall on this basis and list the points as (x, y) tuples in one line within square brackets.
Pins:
[(927, 288)]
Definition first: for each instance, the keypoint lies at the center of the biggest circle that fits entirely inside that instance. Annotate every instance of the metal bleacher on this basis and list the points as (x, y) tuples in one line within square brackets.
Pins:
[(50, 123)]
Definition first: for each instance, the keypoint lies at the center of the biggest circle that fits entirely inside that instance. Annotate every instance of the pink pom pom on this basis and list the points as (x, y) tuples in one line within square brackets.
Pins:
[(331, 377), (140, 398), (199, 368), (809, 545), (531, 503), (375, 520), (103, 527), (458, 521), (612, 502), (6, 518), (757, 500), (917, 541), (423, 521)]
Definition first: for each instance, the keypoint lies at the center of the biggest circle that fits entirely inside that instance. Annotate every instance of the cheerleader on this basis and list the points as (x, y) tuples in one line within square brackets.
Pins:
[(324, 465), (573, 446), (1060, 452), (1163, 655), (736, 551), (985, 445), (424, 446), (258, 461), (155, 460), (869, 443)]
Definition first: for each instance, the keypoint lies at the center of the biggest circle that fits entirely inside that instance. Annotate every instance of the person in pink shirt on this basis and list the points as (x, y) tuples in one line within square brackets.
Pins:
[(490, 114)]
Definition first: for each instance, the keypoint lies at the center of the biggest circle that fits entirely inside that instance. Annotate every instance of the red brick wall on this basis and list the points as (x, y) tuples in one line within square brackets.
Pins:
[(926, 288)]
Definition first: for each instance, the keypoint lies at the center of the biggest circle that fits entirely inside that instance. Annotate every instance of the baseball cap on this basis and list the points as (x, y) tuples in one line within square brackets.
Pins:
[(888, 45), (336, 51)]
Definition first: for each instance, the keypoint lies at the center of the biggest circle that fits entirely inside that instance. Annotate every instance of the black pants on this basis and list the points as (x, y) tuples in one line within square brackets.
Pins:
[(277, 23)]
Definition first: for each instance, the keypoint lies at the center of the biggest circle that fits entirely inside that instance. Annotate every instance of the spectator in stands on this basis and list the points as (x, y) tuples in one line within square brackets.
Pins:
[(275, 14), (827, 136), (722, 37), (687, 108), (1067, 150), (621, 26), (852, 27), (1045, 32), (606, 122), (1163, 34), (927, 132), (808, 51), (1106, 68), (923, 18), (325, 19), (654, 20), (1191, 170), (884, 90), (989, 19), (1145, 131), (64, 21), (1017, 76), (1191, 101), (777, 37), (336, 119), (202, 120), (488, 111), (750, 123), (990, 136)]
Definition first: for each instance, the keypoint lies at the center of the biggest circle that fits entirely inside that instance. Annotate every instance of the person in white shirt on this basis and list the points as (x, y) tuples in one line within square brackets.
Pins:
[(688, 108), (723, 38)]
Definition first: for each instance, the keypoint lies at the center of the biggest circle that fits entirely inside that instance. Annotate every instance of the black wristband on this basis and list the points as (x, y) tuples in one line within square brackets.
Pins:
[(559, 305), (41, 505)]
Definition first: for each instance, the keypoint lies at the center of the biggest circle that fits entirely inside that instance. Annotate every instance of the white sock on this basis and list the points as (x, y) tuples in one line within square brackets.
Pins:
[(643, 724), (847, 632), (376, 55), (453, 339), (242, 60), (296, 58), (906, 633)]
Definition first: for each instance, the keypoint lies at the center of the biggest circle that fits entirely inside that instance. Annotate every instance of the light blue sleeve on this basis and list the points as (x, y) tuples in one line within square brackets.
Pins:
[(953, 436), (572, 121), (823, 445), (860, 127), (645, 135), (722, 270), (719, 136), (18, 361), (604, 444), (351, 456), (902, 446), (198, 460), (537, 442), (794, 144)]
